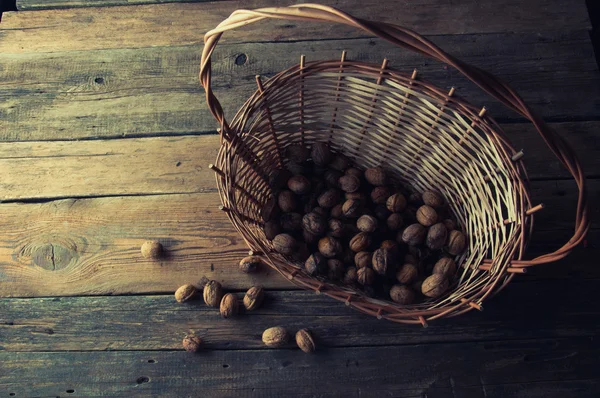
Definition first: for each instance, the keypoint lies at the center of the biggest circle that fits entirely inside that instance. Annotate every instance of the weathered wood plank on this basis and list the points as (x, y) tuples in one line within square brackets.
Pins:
[(177, 24), (271, 373), (114, 93), (158, 322), (545, 389)]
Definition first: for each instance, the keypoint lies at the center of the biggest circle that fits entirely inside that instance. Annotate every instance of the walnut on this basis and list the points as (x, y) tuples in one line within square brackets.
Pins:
[(316, 264), (365, 276), (433, 199), (376, 176), (185, 293), (151, 249), (360, 242), (351, 208), (402, 294), (254, 297), (320, 211), (381, 212), (275, 337), (250, 264), (299, 185), (457, 242), (415, 198), (445, 266), (296, 168), (383, 260), (192, 343), (305, 341), (213, 291), (287, 201), (367, 223), (297, 153), (450, 224), (329, 198), (396, 203), (320, 154), (340, 162), (272, 229), (349, 183), (284, 244), (435, 285), (309, 238), (314, 223), (336, 269), (392, 246), (278, 179), (332, 178), (351, 276), (229, 306), (336, 211), (411, 259), (270, 209), (413, 234), (436, 236), (363, 259), (353, 171), (426, 215), (380, 194), (336, 228), (394, 222), (407, 274), (291, 222), (330, 247)]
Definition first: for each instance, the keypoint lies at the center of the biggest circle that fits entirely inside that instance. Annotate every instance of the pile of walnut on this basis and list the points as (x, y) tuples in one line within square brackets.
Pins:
[(357, 228)]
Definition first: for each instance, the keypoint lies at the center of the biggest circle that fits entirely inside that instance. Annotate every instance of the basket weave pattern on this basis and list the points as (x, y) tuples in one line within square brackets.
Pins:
[(424, 136)]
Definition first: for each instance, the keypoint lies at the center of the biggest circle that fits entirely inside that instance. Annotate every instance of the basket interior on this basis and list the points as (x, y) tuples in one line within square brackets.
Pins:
[(423, 136)]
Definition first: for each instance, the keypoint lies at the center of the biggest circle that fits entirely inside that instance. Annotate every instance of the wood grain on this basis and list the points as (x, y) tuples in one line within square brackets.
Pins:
[(185, 23), (124, 92), (409, 371), (159, 323)]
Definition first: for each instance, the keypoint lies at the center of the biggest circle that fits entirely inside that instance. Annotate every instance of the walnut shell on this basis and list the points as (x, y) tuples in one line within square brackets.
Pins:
[(367, 223), (229, 306), (309, 238), (185, 293), (299, 185), (380, 194), (457, 242), (435, 285), (365, 276), (272, 229), (360, 196), (320, 154), (381, 212), (351, 276), (407, 274), (316, 264), (392, 246), (329, 198), (336, 211), (413, 234), (332, 178), (321, 211), (297, 153), (305, 341), (450, 224), (396, 203), (284, 244), (340, 162), (402, 294), (336, 228), (376, 176), (192, 343), (330, 247), (213, 291), (353, 171), (351, 208), (436, 236), (426, 215), (276, 336), (383, 260), (360, 242), (254, 297), (314, 223), (336, 269), (363, 259), (433, 199), (394, 222), (349, 183), (445, 266), (151, 249), (250, 264), (287, 201), (291, 222)]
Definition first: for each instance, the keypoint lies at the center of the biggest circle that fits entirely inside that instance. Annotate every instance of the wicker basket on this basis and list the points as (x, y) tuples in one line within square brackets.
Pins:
[(425, 136)]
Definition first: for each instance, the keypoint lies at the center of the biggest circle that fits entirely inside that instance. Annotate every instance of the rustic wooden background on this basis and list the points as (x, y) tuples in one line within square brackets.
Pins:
[(105, 140)]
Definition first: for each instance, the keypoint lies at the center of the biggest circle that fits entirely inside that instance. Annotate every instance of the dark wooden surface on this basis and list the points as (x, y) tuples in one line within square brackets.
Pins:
[(105, 140)]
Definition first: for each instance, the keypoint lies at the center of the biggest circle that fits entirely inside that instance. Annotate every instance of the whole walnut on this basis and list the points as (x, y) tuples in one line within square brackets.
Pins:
[(192, 343), (360, 196), (380, 194), (336, 228), (426, 215), (330, 247), (314, 223), (284, 244), (381, 212), (383, 261), (396, 203), (309, 238), (450, 224), (365, 276), (413, 234), (316, 264), (229, 306), (351, 208), (376, 176), (329, 198), (336, 269), (254, 298), (320, 211), (320, 154), (360, 242), (275, 337), (363, 259), (297, 153), (407, 274), (445, 266), (305, 341), (340, 162), (287, 201), (272, 229), (278, 179), (250, 264), (299, 185), (433, 199), (185, 293), (270, 209), (402, 294), (366, 223), (296, 168), (351, 276), (436, 236), (392, 246), (457, 242), (336, 211), (349, 183), (291, 222), (394, 222), (415, 198), (213, 291), (435, 285), (332, 178)]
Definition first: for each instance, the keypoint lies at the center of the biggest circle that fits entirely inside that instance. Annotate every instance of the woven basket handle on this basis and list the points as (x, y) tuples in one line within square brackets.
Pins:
[(410, 40)]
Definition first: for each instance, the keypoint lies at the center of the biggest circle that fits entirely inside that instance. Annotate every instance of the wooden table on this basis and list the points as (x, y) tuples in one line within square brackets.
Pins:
[(106, 140)]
